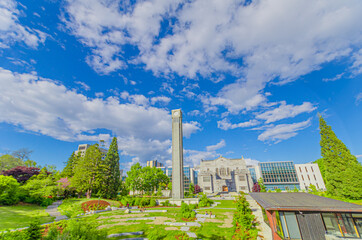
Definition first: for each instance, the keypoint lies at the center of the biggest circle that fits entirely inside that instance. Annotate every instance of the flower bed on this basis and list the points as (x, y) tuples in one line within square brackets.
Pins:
[(95, 205)]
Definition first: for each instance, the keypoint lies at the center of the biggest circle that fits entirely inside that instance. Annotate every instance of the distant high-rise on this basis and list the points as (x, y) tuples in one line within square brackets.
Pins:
[(82, 148), (154, 163)]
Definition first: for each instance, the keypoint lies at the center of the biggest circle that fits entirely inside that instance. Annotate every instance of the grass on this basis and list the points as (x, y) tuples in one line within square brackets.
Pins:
[(73, 206), (21, 215), (225, 204)]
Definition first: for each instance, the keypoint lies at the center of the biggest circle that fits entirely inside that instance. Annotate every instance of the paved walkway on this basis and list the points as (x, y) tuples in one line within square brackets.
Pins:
[(265, 231), (53, 211)]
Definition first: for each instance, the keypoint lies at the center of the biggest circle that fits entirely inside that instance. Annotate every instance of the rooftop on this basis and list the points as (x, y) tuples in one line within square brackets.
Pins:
[(303, 202)]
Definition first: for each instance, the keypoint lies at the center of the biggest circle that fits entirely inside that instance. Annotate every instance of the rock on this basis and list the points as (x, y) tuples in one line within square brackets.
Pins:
[(108, 208), (114, 208), (127, 211)]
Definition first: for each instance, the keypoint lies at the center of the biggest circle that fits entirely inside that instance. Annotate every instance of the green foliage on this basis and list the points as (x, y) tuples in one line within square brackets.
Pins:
[(89, 173), (261, 184), (40, 189), (16, 235), (205, 201), (191, 189), (342, 171), (34, 231), (113, 181), (244, 220), (8, 161), (68, 170), (187, 211), (145, 179), (9, 188)]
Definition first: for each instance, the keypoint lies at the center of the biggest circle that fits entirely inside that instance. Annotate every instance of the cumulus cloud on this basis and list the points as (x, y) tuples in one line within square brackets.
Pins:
[(46, 107), (250, 161), (83, 85), (226, 125), (337, 77), (357, 63), (256, 43), (160, 99), (217, 146), (281, 132), (12, 31), (285, 111)]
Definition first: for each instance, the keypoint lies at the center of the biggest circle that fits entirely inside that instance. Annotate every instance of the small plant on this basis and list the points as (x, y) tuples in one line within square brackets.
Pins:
[(204, 201), (182, 236), (34, 230), (187, 211)]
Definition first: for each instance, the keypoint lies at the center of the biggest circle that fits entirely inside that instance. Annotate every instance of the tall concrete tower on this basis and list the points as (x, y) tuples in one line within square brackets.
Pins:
[(177, 156)]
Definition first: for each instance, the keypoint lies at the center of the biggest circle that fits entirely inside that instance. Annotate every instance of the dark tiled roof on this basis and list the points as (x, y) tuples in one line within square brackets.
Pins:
[(303, 202)]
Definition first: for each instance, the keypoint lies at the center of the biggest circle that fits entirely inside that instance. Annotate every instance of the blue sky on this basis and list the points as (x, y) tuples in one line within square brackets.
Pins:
[(249, 76)]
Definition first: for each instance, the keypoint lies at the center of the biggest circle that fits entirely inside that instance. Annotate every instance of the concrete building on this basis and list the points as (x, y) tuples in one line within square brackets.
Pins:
[(254, 172), (308, 174), (224, 175), (279, 175), (154, 163), (82, 148)]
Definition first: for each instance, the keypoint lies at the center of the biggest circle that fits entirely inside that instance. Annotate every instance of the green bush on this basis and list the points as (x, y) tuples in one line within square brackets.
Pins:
[(34, 231), (83, 229), (187, 211), (165, 203), (204, 201), (153, 203), (16, 235), (9, 189)]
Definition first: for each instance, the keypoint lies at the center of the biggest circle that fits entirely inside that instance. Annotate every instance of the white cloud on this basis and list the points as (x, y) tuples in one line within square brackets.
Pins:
[(43, 106), (281, 132), (271, 40), (160, 99), (285, 111), (359, 98), (250, 161), (217, 146), (337, 77), (12, 31), (359, 156), (357, 64), (99, 94), (226, 125), (83, 85)]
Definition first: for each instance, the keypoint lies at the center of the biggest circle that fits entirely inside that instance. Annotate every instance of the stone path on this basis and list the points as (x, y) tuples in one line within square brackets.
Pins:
[(53, 211), (265, 231)]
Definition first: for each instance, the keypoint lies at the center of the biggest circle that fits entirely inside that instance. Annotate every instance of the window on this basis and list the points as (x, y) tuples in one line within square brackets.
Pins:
[(292, 225), (306, 169), (242, 188), (315, 177), (312, 169), (330, 221), (300, 169), (241, 178), (206, 179), (302, 177), (308, 178), (207, 188)]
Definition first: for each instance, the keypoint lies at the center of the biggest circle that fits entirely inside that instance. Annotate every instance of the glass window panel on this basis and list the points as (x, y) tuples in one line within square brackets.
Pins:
[(358, 222), (330, 221), (292, 224), (346, 223)]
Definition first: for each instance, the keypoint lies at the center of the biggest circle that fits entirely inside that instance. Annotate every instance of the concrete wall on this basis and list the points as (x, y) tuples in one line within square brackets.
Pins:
[(308, 174)]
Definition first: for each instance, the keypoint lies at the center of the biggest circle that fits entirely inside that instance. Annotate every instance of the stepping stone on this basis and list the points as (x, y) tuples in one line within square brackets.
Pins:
[(191, 234), (58, 218), (185, 229), (125, 234), (141, 218)]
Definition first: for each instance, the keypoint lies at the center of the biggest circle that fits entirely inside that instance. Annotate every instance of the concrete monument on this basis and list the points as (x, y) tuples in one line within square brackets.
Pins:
[(177, 156)]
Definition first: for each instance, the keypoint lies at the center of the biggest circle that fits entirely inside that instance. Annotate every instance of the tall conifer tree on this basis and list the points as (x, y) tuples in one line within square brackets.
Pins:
[(113, 172), (342, 171), (68, 169)]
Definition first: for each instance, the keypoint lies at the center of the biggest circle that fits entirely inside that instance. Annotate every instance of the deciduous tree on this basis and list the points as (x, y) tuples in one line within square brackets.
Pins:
[(8, 161), (22, 173)]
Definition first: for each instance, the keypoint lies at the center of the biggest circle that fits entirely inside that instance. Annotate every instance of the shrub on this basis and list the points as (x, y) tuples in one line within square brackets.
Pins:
[(83, 229), (9, 189), (22, 173), (16, 235), (182, 236), (94, 205), (153, 203), (204, 201), (34, 231), (166, 203), (187, 211)]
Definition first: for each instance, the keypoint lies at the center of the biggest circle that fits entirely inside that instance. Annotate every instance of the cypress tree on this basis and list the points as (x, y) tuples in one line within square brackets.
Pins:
[(113, 172), (342, 171), (68, 169)]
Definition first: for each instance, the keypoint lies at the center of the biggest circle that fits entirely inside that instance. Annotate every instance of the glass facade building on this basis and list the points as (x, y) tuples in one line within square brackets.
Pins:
[(279, 175), (253, 174), (187, 175)]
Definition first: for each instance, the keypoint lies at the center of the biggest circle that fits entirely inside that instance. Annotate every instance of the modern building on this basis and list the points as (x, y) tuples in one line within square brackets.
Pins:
[(224, 175), (82, 148), (279, 175), (189, 175), (254, 172), (306, 216), (309, 174), (154, 163)]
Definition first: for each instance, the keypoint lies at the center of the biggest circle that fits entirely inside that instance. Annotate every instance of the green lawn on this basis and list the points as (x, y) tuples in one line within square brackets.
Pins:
[(225, 204), (72, 206), (21, 215)]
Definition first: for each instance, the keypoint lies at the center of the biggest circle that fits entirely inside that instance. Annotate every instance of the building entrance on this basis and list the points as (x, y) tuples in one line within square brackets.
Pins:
[(225, 188)]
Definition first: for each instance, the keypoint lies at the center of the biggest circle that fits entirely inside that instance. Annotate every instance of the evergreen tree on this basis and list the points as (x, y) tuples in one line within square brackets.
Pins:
[(90, 173), (113, 172), (68, 170), (341, 169)]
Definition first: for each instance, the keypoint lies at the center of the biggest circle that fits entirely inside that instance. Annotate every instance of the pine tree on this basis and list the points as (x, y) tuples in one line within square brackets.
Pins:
[(113, 173), (68, 169), (90, 172), (342, 171)]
